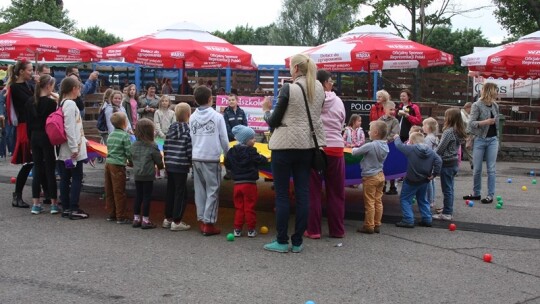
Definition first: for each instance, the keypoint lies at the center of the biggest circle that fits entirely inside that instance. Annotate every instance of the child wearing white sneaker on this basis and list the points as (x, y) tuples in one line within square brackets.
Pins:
[(453, 135), (243, 161), (177, 152)]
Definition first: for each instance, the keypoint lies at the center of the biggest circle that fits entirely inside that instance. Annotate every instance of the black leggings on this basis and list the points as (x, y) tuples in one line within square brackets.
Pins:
[(175, 203), (44, 167), (143, 197), (22, 176)]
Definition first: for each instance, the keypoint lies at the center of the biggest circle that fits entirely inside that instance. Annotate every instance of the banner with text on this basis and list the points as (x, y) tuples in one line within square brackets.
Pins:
[(252, 106), (508, 88)]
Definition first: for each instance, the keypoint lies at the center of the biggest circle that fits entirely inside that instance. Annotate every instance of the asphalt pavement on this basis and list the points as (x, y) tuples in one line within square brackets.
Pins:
[(45, 258)]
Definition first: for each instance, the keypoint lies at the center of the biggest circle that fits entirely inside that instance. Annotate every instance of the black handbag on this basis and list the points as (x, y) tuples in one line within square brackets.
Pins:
[(318, 162)]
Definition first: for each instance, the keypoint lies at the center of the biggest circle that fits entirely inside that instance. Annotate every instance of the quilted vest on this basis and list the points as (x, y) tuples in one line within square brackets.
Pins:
[(294, 130)]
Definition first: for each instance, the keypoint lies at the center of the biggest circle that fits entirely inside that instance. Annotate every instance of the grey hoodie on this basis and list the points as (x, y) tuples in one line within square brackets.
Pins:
[(374, 153), (422, 162)]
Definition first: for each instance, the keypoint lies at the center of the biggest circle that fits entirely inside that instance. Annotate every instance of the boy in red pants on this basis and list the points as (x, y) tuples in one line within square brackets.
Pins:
[(243, 161)]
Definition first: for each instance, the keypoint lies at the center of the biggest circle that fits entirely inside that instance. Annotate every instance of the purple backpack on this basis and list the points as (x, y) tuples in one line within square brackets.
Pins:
[(54, 127)]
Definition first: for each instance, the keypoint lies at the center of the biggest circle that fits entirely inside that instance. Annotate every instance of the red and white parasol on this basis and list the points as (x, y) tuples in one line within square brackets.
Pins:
[(183, 45), (40, 41), (370, 47), (519, 59)]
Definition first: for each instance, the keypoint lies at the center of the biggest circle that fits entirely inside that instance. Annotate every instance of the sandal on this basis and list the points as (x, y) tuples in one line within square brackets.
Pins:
[(472, 197)]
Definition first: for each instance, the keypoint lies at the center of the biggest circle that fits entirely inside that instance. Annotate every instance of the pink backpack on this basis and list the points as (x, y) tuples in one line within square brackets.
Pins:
[(54, 127)]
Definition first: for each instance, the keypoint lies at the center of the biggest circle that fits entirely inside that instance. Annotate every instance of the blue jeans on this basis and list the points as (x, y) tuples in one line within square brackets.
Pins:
[(447, 186), (430, 192), (485, 148), (408, 191), (298, 164), (70, 185), (7, 140)]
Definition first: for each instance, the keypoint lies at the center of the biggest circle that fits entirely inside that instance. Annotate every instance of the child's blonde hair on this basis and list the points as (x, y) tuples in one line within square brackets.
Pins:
[(162, 99), (452, 119), (115, 92), (145, 130), (381, 128), (119, 120), (416, 138), (431, 124), (182, 111), (384, 94), (389, 105), (415, 129), (353, 119), (107, 96)]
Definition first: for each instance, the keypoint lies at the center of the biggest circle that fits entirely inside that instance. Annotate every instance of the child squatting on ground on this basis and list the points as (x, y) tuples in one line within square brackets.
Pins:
[(118, 156), (209, 139), (243, 161), (146, 156), (423, 164), (177, 152), (374, 153)]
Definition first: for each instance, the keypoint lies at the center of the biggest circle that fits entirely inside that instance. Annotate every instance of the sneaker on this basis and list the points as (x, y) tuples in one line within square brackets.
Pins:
[(297, 249), (136, 224), (377, 229), (36, 209), (166, 224), (424, 224), (314, 236), (442, 217), (487, 200), (55, 209), (180, 226), (65, 212), (123, 222), (237, 232), (403, 224), (252, 233), (366, 230), (277, 247), (472, 197), (148, 225), (78, 215)]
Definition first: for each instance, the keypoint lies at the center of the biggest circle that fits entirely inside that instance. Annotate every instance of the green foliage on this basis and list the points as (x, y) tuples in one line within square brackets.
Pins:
[(97, 36), (246, 35), (519, 17), (311, 22), (424, 15), (458, 43), (23, 11)]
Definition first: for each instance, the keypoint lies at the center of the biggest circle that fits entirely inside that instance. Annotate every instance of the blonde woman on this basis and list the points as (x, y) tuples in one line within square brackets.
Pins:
[(484, 125)]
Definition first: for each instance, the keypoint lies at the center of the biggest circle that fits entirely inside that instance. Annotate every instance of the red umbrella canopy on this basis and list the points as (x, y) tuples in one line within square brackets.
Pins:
[(183, 45), (370, 47), (519, 59), (39, 41)]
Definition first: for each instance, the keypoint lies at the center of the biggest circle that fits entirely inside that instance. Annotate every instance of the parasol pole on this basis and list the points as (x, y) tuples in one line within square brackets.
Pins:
[(369, 79), (530, 98)]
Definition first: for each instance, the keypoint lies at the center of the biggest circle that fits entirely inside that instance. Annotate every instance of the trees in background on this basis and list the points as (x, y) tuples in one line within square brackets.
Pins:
[(23, 11), (518, 17), (246, 35), (97, 36)]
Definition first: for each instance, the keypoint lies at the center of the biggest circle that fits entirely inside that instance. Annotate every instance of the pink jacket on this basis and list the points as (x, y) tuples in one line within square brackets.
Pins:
[(333, 118)]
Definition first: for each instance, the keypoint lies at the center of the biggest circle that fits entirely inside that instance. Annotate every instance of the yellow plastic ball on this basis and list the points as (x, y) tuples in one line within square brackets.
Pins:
[(524, 188), (264, 230)]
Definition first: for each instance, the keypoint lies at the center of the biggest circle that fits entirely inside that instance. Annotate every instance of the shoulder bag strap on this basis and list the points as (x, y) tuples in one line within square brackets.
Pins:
[(309, 117)]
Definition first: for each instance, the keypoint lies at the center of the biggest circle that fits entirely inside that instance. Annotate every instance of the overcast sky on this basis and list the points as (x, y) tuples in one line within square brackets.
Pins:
[(133, 18)]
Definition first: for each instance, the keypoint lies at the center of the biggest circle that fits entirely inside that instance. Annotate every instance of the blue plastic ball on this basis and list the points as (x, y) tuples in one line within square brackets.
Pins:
[(509, 180), (471, 203), (310, 302)]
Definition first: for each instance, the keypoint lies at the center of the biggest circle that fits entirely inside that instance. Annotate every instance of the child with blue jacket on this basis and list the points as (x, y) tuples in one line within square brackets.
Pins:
[(243, 161), (423, 164)]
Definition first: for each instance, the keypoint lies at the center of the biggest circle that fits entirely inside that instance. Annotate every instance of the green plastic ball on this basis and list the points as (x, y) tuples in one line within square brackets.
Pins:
[(534, 182), (499, 206), (230, 237), (499, 198)]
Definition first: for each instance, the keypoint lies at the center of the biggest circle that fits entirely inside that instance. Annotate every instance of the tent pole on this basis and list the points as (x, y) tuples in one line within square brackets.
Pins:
[(369, 79)]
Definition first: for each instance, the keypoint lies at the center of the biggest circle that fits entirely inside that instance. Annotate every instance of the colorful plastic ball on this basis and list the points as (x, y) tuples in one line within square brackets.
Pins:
[(467, 202), (509, 180), (230, 237), (499, 198), (452, 227), (524, 188), (499, 206), (532, 173), (310, 302), (534, 182), (471, 204), (501, 202), (488, 257), (264, 230), (13, 180)]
